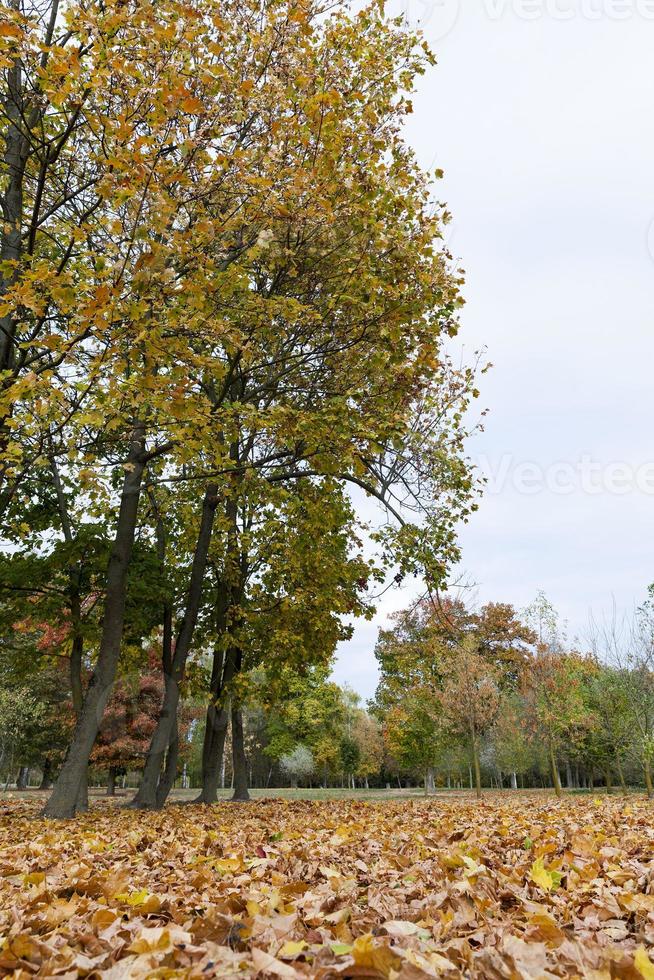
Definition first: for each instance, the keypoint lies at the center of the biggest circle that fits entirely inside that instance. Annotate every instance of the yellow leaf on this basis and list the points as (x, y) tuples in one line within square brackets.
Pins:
[(143, 899), (643, 964), (227, 864), (547, 880), (150, 940), (291, 949), (34, 878), (367, 953)]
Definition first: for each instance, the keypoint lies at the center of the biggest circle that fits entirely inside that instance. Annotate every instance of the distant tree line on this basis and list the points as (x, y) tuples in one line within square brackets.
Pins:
[(494, 698)]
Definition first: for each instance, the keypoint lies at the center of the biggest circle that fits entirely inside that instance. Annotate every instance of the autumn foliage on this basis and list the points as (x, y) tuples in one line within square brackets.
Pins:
[(529, 888)]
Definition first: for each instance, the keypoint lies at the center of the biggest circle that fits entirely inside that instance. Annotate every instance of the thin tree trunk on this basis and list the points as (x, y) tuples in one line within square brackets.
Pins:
[(621, 779), (607, 780), (213, 753), (555, 771), (75, 605), (146, 797), (46, 777), (169, 774), (568, 775), (225, 665), (23, 777), (648, 779), (238, 757), (514, 781), (16, 147), (66, 793), (111, 782), (475, 761)]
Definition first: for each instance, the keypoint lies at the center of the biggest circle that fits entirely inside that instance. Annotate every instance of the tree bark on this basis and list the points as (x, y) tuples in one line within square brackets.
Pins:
[(11, 237), (169, 775), (556, 780), (82, 803), (238, 757), (514, 781), (111, 782), (23, 777), (648, 779), (607, 780), (568, 775), (46, 777), (75, 606), (475, 762), (621, 779), (225, 665), (146, 797), (217, 718), (213, 753), (65, 797)]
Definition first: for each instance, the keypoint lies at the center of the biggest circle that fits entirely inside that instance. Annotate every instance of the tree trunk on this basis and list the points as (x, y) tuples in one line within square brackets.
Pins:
[(607, 780), (111, 782), (146, 797), (46, 777), (238, 757), (555, 771), (169, 775), (213, 754), (648, 779), (568, 775), (75, 605), (225, 665), (621, 779), (514, 781), (82, 803), (475, 762), (65, 797), (23, 777), (16, 146)]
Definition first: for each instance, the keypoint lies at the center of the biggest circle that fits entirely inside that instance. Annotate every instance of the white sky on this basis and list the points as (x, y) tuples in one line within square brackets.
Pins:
[(542, 116)]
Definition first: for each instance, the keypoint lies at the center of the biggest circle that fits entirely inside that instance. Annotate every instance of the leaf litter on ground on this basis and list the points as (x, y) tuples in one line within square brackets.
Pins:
[(435, 888)]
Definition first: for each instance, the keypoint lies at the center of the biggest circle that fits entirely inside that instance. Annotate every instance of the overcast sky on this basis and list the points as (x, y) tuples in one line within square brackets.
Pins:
[(542, 116)]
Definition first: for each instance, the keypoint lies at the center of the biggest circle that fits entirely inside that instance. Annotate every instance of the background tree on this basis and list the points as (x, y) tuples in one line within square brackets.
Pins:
[(298, 765)]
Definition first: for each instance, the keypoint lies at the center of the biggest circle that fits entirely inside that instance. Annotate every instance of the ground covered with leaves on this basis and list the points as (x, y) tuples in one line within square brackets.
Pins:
[(514, 886)]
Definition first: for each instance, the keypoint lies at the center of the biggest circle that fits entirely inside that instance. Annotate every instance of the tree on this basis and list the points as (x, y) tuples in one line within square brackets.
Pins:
[(512, 750), (555, 702), (298, 764), (471, 698), (21, 719), (128, 722), (367, 735), (219, 281)]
